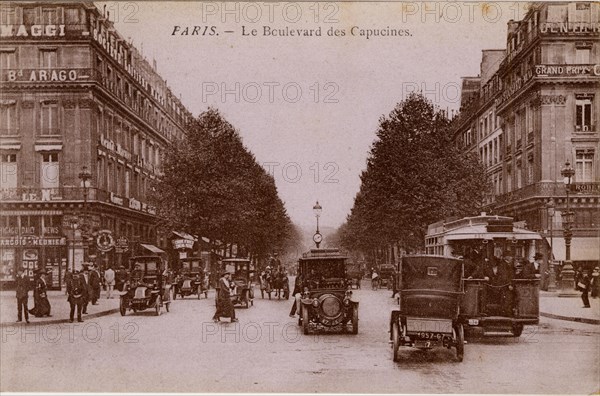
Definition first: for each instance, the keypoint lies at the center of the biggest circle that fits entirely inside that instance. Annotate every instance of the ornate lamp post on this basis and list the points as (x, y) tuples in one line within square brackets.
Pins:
[(551, 273), (567, 273), (85, 177), (317, 209)]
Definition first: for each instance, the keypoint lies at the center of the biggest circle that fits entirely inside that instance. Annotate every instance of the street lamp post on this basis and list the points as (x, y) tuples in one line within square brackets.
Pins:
[(317, 209), (85, 177), (567, 273), (551, 272)]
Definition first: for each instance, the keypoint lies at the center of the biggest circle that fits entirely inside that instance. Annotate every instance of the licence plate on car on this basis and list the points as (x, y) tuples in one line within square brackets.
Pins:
[(414, 325)]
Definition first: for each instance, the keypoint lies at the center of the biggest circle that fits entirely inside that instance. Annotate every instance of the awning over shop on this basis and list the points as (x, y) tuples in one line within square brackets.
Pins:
[(152, 248), (185, 235), (582, 249), (479, 231)]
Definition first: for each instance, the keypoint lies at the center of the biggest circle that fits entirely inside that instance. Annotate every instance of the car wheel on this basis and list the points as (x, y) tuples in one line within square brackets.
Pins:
[(157, 304), (305, 321), (460, 342), (122, 307), (355, 320), (395, 341), (517, 330)]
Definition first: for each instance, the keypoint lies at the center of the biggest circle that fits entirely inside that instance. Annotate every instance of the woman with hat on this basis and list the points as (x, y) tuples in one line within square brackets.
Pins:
[(225, 307), (40, 297)]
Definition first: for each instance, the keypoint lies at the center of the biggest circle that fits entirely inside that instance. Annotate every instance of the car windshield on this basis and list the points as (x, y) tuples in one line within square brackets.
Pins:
[(151, 266), (325, 268)]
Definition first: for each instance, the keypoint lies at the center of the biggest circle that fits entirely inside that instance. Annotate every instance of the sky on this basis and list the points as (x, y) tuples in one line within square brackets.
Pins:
[(308, 107)]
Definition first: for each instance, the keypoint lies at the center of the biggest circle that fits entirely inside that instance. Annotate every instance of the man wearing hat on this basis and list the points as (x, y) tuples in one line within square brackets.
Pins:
[(85, 276), (77, 295), (95, 284), (23, 287), (225, 307), (532, 270), (41, 305)]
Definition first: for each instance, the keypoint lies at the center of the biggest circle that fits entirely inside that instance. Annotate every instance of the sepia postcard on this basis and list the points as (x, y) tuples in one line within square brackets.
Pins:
[(339, 197)]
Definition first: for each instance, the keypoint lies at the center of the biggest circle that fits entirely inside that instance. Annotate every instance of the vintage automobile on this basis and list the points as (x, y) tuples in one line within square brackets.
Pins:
[(191, 279), (430, 292), (243, 290), (326, 302), (386, 275), (146, 287), (489, 309)]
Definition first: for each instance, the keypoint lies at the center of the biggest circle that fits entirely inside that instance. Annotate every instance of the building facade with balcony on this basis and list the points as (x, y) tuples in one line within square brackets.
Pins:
[(547, 108), (74, 94)]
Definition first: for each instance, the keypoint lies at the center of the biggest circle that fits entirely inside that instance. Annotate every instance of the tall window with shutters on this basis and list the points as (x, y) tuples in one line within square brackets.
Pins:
[(584, 166)]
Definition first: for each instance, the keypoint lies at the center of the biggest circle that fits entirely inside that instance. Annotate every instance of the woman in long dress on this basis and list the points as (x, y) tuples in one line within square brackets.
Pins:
[(41, 306), (225, 307)]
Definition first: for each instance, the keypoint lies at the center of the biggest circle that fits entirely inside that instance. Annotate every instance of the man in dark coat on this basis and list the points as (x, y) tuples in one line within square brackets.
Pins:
[(77, 293), (95, 284), (583, 285), (532, 270), (225, 307), (85, 276), (120, 278), (499, 288), (23, 287)]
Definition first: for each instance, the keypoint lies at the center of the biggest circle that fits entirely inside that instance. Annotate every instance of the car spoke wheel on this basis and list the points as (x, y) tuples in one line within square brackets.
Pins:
[(460, 342), (122, 307), (157, 304), (305, 320), (517, 330), (395, 341), (355, 320)]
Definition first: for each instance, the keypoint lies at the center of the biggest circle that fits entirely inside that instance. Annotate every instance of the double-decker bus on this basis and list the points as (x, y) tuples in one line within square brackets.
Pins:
[(499, 299)]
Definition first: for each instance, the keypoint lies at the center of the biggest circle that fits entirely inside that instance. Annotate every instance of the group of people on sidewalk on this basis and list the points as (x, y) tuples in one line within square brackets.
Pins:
[(41, 307), (82, 287)]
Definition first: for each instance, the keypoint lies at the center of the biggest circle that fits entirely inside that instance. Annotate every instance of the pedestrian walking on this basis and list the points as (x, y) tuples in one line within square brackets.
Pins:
[(594, 283), (68, 277), (225, 308), (296, 294), (41, 305), (77, 295), (23, 287), (120, 278), (583, 285), (95, 284), (109, 278), (85, 276)]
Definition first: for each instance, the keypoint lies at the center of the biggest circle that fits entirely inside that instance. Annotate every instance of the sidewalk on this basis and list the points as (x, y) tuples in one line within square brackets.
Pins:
[(60, 308), (569, 308)]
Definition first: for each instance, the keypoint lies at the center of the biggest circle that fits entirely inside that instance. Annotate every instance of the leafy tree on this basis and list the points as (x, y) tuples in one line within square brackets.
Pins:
[(414, 177), (213, 186)]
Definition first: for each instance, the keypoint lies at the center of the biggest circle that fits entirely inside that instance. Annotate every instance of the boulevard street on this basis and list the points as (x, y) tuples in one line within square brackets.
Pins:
[(184, 351)]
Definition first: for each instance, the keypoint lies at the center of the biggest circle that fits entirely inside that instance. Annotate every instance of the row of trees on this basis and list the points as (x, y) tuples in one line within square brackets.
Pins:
[(415, 176), (214, 187)]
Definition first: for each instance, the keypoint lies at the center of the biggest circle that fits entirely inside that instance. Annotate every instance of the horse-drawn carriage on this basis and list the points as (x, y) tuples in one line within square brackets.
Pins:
[(147, 287), (430, 292), (243, 286), (191, 279)]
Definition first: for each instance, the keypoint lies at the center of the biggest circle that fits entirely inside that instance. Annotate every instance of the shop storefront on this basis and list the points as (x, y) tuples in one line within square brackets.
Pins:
[(31, 252)]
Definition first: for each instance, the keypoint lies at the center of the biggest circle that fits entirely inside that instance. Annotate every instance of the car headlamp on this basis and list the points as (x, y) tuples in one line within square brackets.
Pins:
[(315, 303), (346, 301), (348, 293)]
